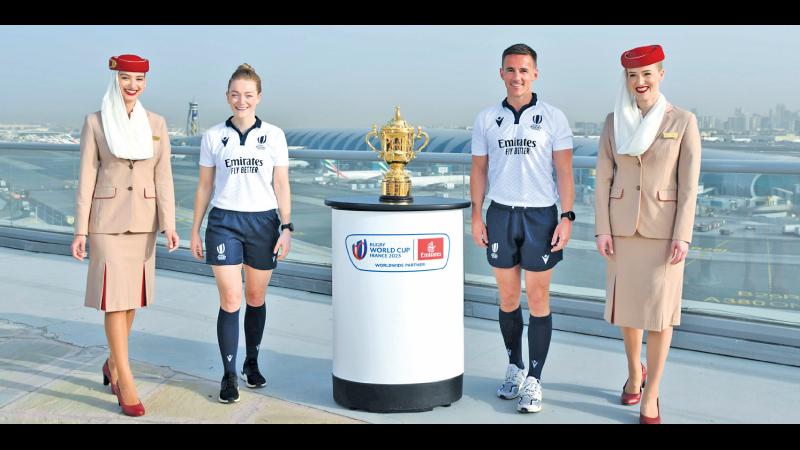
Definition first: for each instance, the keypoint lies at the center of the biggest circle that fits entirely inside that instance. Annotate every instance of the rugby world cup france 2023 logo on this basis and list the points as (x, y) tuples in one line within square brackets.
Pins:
[(360, 249)]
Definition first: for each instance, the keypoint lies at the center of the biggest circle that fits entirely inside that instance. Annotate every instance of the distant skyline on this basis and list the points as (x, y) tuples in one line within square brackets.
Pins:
[(353, 76)]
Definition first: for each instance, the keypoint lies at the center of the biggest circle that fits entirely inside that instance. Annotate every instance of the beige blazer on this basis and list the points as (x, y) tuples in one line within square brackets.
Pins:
[(654, 193), (118, 195)]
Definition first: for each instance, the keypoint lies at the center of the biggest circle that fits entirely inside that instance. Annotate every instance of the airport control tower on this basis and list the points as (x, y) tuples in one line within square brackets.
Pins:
[(191, 120)]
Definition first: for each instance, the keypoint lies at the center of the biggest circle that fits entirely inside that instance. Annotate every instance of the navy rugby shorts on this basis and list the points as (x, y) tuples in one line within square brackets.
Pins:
[(236, 237), (521, 235)]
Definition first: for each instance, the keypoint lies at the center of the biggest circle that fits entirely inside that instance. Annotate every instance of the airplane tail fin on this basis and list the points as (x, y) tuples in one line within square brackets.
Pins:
[(331, 169)]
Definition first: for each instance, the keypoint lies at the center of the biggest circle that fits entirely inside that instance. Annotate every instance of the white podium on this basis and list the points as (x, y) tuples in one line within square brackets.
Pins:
[(398, 303)]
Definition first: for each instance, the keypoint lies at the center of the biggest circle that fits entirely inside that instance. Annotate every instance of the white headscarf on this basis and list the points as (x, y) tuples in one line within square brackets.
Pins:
[(632, 133), (128, 138)]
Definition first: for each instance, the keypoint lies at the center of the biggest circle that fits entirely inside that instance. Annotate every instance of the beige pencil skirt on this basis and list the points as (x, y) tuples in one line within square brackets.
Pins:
[(643, 290), (121, 271)]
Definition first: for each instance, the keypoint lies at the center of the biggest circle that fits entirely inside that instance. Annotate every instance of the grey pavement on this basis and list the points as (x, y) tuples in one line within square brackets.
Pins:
[(52, 348), (45, 380)]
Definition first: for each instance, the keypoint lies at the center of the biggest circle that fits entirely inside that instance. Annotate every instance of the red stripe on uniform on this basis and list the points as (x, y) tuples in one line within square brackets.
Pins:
[(103, 302), (614, 300), (144, 296)]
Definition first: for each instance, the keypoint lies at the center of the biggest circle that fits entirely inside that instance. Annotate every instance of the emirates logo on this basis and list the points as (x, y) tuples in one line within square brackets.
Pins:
[(431, 247)]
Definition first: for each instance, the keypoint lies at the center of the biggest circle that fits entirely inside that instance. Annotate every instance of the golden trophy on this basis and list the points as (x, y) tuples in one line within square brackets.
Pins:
[(397, 149)]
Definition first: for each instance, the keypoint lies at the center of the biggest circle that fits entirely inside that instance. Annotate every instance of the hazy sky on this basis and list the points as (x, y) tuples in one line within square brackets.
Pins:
[(352, 76)]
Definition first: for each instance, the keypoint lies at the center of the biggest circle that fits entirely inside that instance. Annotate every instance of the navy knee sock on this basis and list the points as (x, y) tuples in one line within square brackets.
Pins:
[(540, 329), (511, 327), (228, 337), (254, 319)]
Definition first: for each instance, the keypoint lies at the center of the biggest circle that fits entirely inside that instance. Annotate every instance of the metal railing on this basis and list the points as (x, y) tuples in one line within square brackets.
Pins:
[(579, 162), (731, 331)]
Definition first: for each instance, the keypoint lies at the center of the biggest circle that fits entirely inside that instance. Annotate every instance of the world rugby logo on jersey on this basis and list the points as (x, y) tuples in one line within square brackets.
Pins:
[(360, 249), (221, 252), (495, 247), (261, 141), (537, 121)]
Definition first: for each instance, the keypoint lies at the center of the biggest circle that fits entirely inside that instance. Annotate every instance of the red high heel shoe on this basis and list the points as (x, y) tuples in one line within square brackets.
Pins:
[(644, 420), (130, 410), (632, 399), (107, 378)]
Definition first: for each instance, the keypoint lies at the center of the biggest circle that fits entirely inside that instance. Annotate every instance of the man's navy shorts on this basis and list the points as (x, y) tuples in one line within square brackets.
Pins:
[(521, 235), (236, 237)]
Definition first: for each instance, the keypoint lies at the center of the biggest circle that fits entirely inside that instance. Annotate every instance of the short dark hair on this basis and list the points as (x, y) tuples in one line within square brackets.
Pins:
[(518, 49)]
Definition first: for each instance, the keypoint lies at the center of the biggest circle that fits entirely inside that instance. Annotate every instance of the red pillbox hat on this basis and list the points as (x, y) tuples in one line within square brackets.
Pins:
[(129, 63), (642, 56)]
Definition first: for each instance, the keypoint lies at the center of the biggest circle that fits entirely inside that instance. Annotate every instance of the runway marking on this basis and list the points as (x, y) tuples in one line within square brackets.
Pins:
[(719, 246)]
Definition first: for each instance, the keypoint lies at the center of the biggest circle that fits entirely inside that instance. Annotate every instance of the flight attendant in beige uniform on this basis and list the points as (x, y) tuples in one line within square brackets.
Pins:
[(648, 166), (125, 194)]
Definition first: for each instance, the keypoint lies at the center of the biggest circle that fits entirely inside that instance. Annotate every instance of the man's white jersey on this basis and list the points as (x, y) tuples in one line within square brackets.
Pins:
[(520, 148), (244, 163)]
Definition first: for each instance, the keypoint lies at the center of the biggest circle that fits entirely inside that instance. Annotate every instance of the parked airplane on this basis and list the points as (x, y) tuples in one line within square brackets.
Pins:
[(333, 171), (298, 164)]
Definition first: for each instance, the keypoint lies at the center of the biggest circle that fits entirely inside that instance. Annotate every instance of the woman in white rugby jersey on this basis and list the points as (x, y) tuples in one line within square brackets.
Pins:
[(244, 161)]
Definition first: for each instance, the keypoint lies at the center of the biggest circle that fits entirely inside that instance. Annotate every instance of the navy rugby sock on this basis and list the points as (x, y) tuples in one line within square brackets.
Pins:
[(254, 319), (540, 330), (228, 337), (511, 327)]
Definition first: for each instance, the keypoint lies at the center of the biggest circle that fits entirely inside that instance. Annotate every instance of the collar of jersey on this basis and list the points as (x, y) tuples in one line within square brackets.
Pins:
[(518, 114), (243, 137)]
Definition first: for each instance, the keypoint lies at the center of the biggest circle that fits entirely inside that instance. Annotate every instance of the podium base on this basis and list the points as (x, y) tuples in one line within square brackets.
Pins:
[(397, 397), (396, 199)]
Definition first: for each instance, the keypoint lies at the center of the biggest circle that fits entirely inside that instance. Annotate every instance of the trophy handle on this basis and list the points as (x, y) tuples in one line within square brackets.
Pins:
[(374, 132), (427, 139)]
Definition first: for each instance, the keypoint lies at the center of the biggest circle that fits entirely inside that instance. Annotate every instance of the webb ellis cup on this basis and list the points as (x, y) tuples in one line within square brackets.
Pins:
[(397, 149)]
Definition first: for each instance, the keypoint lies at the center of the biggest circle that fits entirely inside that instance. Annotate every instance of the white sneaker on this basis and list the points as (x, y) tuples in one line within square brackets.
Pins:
[(530, 396), (514, 379)]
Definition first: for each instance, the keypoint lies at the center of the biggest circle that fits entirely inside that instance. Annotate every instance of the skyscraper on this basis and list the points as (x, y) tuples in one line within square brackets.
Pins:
[(191, 120)]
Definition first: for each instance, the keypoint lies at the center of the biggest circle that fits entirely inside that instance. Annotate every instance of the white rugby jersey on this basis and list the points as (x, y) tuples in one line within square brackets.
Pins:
[(244, 163), (520, 148)]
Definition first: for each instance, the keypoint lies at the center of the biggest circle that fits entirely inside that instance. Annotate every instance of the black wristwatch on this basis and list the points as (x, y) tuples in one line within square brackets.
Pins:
[(289, 225), (569, 215)]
